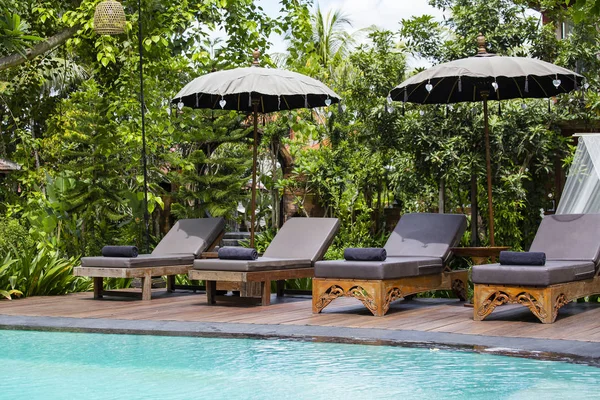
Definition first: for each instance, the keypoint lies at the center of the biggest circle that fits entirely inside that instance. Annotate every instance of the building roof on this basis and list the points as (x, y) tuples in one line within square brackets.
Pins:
[(7, 166)]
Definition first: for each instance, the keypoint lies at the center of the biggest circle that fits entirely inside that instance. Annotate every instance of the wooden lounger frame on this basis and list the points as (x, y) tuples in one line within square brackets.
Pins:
[(544, 302), (377, 295), (263, 294), (145, 273)]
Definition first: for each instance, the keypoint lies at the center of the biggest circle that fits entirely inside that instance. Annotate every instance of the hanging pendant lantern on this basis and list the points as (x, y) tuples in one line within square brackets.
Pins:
[(109, 18)]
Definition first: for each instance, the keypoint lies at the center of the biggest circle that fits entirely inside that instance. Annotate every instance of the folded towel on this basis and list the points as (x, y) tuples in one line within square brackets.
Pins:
[(237, 253), (365, 254), (120, 251), (522, 258)]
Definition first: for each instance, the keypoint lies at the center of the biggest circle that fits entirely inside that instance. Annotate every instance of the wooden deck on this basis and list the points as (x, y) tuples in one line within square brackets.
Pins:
[(576, 321)]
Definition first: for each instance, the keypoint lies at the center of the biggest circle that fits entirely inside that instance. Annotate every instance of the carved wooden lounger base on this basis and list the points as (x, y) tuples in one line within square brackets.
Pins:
[(544, 302), (377, 295)]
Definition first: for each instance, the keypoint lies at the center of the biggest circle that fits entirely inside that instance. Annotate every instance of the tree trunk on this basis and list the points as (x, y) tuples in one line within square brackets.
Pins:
[(35, 151), (3, 152), (53, 41)]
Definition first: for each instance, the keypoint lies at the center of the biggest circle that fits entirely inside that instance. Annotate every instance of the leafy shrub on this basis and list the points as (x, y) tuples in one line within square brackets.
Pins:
[(43, 272), (13, 235), (262, 240), (7, 285)]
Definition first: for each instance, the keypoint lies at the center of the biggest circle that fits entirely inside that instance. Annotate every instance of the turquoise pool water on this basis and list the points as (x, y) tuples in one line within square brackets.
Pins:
[(50, 365)]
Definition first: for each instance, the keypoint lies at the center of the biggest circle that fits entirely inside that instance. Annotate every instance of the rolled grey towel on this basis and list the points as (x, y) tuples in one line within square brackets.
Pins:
[(237, 253), (365, 254), (120, 251), (522, 258)]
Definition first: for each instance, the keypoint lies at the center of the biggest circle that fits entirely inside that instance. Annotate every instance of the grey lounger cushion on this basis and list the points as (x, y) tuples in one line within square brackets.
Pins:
[(303, 238), (192, 235), (572, 246), (260, 264), (569, 237), (533, 275), (142, 261), (426, 235), (186, 240), (299, 243), (391, 268)]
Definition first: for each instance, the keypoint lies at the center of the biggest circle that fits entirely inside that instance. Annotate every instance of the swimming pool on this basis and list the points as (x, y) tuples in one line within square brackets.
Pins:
[(52, 365)]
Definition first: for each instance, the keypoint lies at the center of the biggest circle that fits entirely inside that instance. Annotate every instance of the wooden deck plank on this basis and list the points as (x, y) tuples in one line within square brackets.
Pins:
[(576, 321)]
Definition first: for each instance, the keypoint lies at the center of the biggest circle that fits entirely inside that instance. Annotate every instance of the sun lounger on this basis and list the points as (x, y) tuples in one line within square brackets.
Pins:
[(417, 252), (572, 247), (292, 253), (174, 255)]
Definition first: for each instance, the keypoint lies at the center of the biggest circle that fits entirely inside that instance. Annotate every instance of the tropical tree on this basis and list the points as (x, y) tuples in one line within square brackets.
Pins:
[(331, 40)]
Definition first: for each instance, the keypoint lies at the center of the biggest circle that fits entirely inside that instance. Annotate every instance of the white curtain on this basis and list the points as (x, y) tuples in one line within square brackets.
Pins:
[(581, 194)]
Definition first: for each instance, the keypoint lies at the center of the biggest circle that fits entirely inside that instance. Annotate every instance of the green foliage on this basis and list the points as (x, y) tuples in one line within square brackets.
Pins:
[(123, 283), (209, 165), (351, 176), (13, 34), (329, 37), (40, 272), (583, 10), (503, 22), (261, 240), (13, 235), (7, 283)]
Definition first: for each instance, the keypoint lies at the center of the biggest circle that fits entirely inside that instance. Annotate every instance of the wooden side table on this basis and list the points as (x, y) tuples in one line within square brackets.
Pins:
[(479, 255)]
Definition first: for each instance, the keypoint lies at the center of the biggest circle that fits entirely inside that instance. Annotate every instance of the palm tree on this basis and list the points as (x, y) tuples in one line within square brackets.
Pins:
[(330, 38)]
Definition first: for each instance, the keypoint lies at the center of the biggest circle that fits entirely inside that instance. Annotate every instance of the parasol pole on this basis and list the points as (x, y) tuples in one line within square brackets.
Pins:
[(143, 112), (254, 157), (484, 95), (255, 63), (474, 205)]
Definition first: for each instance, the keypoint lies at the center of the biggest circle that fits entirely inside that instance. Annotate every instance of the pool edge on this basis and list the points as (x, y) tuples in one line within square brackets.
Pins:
[(573, 351)]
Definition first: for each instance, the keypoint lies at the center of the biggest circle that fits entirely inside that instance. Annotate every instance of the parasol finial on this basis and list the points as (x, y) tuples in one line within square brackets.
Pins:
[(255, 55), (481, 44)]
